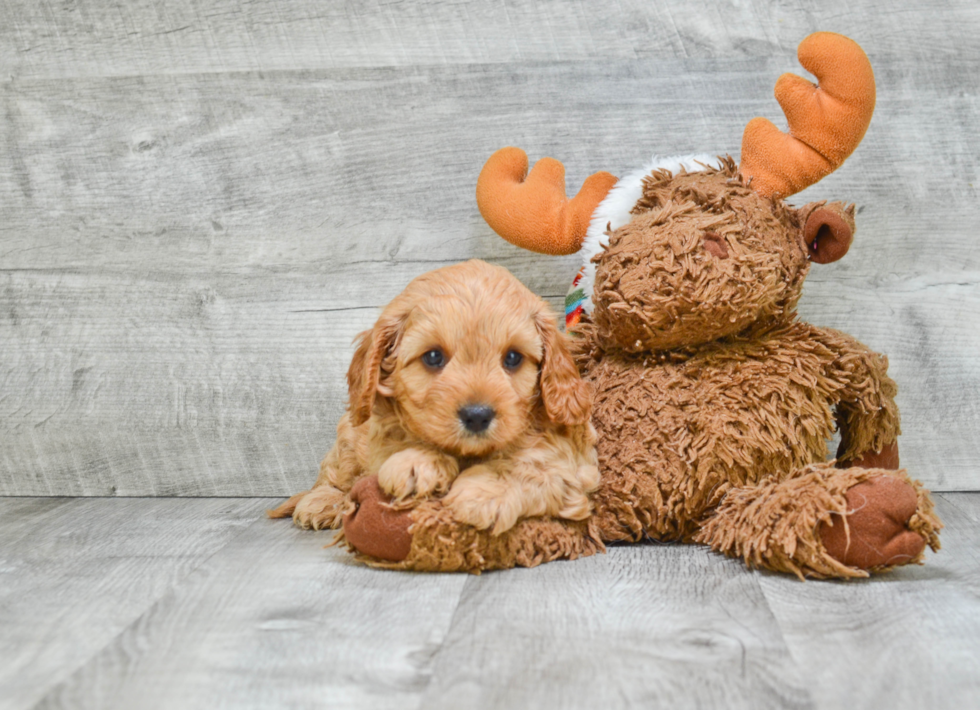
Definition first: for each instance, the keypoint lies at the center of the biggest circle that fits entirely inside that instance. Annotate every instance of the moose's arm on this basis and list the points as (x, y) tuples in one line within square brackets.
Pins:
[(867, 416), (427, 538)]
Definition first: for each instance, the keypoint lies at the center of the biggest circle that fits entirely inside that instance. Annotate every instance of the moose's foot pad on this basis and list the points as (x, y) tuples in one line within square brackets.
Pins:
[(374, 527), (877, 533)]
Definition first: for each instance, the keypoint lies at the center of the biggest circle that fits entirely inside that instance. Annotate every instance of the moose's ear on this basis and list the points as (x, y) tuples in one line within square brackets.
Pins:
[(828, 230)]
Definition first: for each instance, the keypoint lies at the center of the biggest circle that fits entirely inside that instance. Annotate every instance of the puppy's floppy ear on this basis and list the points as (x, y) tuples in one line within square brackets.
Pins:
[(567, 398), (364, 374)]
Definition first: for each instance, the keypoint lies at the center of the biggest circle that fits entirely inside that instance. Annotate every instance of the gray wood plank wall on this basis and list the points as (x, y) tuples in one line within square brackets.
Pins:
[(203, 202)]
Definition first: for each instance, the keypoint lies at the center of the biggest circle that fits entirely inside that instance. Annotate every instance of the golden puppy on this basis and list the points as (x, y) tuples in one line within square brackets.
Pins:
[(463, 388)]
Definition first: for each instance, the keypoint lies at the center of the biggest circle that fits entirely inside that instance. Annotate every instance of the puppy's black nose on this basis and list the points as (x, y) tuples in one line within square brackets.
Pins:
[(476, 417)]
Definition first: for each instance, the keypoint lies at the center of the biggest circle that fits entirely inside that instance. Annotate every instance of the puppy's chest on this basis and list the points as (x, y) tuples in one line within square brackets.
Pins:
[(466, 462)]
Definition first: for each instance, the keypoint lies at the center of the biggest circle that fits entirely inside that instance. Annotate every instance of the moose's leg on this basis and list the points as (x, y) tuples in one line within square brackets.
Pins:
[(427, 538), (825, 521)]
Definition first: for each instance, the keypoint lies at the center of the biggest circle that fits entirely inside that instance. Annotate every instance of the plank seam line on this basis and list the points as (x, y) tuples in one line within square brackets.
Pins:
[(449, 628), (760, 579), (964, 511), (47, 699)]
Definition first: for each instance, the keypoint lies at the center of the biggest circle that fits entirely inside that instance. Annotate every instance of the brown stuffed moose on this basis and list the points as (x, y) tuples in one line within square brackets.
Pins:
[(713, 401)]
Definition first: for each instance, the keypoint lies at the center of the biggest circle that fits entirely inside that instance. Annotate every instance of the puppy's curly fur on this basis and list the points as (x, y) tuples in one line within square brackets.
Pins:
[(464, 336)]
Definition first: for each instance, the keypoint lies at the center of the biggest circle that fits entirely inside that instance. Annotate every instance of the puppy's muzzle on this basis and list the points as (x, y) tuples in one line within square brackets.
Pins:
[(476, 417)]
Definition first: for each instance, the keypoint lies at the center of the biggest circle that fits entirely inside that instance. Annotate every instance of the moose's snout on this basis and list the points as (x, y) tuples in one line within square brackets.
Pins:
[(715, 245), (476, 417)]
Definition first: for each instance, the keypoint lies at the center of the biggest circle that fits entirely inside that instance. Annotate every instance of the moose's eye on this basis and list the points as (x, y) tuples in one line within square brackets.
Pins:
[(513, 360), (434, 359)]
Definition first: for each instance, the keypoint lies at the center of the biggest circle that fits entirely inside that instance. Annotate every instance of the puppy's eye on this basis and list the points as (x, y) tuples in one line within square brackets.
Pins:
[(513, 360), (434, 359)]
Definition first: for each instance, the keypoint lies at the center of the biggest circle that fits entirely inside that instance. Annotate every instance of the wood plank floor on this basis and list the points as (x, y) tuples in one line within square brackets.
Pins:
[(204, 603)]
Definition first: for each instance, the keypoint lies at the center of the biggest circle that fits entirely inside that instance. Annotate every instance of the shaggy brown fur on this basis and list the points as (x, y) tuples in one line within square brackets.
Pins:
[(713, 403), (407, 415), (440, 544)]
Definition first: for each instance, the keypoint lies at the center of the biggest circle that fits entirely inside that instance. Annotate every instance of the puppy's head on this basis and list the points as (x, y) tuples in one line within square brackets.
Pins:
[(464, 356)]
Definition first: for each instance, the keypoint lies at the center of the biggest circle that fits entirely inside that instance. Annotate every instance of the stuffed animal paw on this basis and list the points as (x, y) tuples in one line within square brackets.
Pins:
[(877, 532), (374, 527)]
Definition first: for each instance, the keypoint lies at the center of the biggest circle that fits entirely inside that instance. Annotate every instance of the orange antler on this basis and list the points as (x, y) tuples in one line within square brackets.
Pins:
[(531, 210), (826, 121)]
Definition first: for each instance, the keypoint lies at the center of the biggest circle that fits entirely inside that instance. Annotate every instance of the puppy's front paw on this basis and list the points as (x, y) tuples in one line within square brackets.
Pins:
[(479, 498), (417, 473), (321, 508), (575, 504)]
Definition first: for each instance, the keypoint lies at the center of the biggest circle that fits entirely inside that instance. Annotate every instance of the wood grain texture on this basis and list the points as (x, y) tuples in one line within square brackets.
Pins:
[(46, 38), (75, 573), (642, 626), (180, 603), (197, 222), (966, 503), (907, 639), (275, 621)]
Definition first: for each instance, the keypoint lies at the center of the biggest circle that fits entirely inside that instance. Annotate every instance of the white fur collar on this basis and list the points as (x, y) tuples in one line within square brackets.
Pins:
[(614, 211)]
